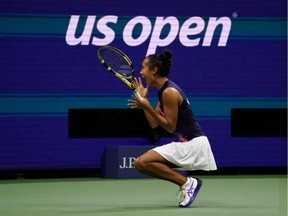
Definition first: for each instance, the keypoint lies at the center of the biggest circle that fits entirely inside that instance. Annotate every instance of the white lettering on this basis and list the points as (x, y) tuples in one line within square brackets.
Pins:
[(212, 25), (156, 40), (128, 30), (123, 166), (131, 162), (163, 33), (192, 26), (127, 163), (108, 33), (86, 35)]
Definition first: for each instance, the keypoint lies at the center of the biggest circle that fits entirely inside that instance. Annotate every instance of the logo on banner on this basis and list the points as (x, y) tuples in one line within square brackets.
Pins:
[(194, 31), (127, 163)]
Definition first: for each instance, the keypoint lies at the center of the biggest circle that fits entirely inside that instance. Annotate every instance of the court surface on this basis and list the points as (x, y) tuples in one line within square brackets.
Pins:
[(247, 195)]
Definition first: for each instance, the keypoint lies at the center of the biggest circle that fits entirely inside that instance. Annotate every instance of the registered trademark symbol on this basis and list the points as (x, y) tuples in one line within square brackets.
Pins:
[(235, 15)]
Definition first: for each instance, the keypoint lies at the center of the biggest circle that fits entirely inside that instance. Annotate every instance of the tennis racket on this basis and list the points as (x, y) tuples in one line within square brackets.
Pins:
[(119, 64)]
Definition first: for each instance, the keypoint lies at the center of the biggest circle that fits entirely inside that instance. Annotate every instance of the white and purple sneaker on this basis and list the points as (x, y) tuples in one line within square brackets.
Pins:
[(189, 193)]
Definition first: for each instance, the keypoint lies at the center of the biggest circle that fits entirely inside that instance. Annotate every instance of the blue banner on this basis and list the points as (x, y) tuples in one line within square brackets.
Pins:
[(226, 54)]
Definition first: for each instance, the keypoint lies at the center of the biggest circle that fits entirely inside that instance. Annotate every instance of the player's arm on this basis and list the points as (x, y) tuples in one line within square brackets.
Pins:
[(168, 121), (144, 93), (152, 122), (170, 97)]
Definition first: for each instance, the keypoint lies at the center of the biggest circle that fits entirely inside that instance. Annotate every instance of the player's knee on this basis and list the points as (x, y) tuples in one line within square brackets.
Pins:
[(137, 163), (140, 163)]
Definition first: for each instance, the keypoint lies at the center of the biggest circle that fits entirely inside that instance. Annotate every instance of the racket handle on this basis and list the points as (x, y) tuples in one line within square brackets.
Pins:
[(137, 95)]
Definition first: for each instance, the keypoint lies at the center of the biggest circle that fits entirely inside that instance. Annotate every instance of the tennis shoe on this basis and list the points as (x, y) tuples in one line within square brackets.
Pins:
[(189, 193)]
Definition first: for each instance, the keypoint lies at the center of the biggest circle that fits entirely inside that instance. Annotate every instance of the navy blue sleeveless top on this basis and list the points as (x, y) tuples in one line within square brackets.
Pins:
[(187, 126)]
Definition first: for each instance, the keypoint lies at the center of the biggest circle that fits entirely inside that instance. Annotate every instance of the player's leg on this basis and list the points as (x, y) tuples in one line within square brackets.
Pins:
[(153, 164)]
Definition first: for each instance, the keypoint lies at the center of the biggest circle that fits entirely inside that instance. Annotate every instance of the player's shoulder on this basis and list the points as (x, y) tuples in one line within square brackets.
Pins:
[(170, 90), (171, 93)]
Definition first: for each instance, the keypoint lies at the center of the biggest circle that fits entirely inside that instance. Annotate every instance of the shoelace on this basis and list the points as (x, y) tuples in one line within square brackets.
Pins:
[(180, 194)]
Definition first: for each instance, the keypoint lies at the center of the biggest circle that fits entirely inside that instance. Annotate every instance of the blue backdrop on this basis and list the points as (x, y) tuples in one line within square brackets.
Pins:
[(227, 54)]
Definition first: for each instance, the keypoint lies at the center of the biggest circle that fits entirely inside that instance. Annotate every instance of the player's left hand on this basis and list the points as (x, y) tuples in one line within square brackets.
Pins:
[(135, 103), (140, 88)]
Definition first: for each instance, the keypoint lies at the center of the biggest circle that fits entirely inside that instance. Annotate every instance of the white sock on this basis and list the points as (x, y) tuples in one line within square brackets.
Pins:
[(187, 183)]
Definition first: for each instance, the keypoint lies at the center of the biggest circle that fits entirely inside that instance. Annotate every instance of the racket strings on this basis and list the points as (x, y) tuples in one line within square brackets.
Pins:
[(116, 62)]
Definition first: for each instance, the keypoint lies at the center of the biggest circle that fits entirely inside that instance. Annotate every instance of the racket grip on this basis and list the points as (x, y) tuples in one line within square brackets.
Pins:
[(137, 95)]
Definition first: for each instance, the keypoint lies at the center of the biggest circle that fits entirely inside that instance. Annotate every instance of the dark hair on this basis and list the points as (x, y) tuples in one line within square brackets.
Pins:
[(162, 61)]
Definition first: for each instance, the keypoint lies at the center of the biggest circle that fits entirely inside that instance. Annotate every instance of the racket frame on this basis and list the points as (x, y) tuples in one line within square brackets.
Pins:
[(125, 79)]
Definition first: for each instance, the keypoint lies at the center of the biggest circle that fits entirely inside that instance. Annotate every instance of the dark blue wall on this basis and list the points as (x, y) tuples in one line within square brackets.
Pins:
[(42, 76)]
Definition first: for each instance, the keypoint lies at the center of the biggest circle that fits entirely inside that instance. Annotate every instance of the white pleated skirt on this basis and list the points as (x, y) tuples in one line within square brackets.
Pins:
[(195, 154)]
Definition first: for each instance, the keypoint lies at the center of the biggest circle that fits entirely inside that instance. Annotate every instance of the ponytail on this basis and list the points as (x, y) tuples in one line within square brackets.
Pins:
[(162, 61)]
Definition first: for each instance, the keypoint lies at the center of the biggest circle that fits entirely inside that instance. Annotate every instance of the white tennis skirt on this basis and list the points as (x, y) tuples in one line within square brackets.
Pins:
[(195, 154)]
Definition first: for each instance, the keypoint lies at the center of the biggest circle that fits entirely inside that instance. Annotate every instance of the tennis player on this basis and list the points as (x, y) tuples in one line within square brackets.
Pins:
[(173, 112)]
